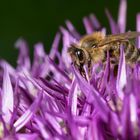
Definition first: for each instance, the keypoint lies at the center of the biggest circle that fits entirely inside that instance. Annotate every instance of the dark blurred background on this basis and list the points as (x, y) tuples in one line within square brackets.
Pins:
[(39, 20)]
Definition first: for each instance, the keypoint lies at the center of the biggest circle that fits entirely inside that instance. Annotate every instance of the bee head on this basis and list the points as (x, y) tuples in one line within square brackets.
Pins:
[(78, 55)]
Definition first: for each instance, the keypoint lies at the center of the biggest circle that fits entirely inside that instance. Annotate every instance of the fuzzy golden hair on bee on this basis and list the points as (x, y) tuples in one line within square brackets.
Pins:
[(96, 35), (92, 39), (93, 48)]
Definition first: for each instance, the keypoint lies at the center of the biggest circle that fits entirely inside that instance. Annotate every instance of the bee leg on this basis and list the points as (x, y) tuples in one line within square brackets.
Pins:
[(81, 70), (89, 69)]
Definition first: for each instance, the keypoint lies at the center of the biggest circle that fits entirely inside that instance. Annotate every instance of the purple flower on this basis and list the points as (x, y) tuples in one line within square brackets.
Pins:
[(48, 99)]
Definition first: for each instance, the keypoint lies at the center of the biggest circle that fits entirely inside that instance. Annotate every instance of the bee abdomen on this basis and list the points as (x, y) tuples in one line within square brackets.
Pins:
[(132, 53)]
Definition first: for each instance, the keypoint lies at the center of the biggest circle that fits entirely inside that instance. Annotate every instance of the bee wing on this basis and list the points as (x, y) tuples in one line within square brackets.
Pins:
[(118, 37)]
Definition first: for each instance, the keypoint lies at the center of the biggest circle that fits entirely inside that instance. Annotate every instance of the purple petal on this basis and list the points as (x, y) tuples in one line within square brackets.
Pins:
[(39, 61), (121, 77), (113, 24), (67, 40), (42, 128), (11, 70), (62, 73), (23, 120), (106, 75), (133, 115), (7, 96), (92, 133), (72, 98), (122, 15), (93, 96), (54, 123), (72, 30), (23, 59), (21, 136), (54, 48), (138, 28), (88, 26), (125, 130), (95, 22)]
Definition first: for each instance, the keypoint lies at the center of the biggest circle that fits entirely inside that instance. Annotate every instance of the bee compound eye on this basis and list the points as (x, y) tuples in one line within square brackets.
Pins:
[(79, 54)]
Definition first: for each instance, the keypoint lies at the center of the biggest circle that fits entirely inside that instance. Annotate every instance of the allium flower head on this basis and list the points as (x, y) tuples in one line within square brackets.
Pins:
[(48, 99)]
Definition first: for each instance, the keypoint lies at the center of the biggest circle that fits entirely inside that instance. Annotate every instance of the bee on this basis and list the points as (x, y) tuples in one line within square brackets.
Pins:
[(93, 48)]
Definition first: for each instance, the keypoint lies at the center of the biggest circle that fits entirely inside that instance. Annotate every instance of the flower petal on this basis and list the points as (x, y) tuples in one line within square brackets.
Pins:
[(93, 96), (7, 96), (23, 120), (138, 28), (23, 59), (113, 24), (95, 22), (72, 98), (87, 24), (122, 15), (72, 30), (121, 77), (32, 136)]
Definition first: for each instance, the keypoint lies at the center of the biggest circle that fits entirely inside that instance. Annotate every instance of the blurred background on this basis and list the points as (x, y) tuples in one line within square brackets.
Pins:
[(38, 21)]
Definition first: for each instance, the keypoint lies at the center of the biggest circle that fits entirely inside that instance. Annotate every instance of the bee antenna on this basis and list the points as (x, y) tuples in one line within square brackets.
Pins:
[(72, 47)]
